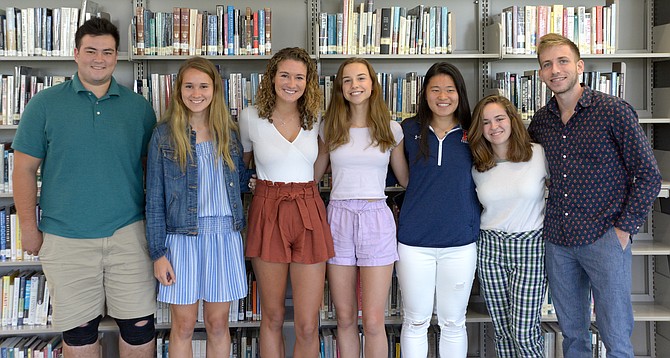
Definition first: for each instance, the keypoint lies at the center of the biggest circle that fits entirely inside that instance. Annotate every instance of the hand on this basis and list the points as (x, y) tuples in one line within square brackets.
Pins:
[(163, 271), (31, 240), (252, 183), (624, 237)]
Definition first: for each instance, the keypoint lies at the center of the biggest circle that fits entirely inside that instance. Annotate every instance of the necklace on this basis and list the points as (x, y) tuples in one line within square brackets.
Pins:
[(280, 121)]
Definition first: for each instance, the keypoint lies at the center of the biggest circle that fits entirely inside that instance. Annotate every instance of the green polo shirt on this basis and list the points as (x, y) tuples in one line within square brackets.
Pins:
[(91, 150)]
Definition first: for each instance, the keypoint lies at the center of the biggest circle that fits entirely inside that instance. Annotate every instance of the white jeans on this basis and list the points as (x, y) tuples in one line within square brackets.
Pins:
[(443, 275)]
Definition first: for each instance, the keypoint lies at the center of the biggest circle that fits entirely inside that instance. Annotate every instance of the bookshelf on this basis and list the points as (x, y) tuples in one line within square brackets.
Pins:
[(478, 53)]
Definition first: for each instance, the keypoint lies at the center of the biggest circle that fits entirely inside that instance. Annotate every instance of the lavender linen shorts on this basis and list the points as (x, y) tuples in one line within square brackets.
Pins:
[(364, 233)]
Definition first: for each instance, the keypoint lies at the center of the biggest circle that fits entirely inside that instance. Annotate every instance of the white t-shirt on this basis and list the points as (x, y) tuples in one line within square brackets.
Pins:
[(276, 158), (359, 169), (512, 194)]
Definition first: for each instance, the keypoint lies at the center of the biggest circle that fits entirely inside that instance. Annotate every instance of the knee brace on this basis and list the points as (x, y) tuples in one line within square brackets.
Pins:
[(83, 335), (134, 332)]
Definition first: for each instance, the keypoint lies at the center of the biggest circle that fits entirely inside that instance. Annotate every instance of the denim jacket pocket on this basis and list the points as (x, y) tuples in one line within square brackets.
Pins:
[(171, 165)]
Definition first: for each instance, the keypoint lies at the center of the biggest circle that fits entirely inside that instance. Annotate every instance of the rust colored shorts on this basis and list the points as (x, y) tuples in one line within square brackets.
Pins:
[(287, 223)]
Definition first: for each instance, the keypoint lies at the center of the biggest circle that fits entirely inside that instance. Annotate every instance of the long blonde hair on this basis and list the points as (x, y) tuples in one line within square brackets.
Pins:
[(336, 121), (309, 103), (219, 121)]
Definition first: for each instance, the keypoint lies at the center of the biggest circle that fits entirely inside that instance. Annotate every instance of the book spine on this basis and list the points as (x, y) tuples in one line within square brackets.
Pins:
[(323, 33), (261, 31), (197, 39), (185, 27), (176, 31), (385, 37), (597, 15), (248, 31), (231, 30), (212, 40), (255, 43), (268, 31)]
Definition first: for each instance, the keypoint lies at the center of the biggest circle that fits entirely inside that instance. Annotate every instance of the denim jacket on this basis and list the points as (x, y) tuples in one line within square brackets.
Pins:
[(172, 195)]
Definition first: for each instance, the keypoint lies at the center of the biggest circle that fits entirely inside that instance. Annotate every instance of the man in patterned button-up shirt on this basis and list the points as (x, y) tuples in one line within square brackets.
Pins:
[(604, 178)]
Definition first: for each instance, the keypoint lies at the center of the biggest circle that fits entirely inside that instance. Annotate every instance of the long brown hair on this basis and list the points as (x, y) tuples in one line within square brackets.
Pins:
[(519, 149), (219, 121), (336, 120), (309, 103)]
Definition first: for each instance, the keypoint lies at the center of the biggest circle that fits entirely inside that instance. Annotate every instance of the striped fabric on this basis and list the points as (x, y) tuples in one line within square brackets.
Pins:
[(209, 266), (212, 195), (513, 282)]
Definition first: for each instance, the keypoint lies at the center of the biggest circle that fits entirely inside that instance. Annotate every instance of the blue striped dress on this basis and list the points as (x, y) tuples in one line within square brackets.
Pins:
[(209, 266)]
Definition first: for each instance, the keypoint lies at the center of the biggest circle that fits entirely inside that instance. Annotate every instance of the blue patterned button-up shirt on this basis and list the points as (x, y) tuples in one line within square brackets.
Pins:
[(602, 167)]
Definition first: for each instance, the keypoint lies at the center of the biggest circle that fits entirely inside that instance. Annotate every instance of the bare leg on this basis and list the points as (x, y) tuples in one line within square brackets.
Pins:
[(272, 279), (146, 350), (307, 282), (87, 351), (375, 284), (342, 284), (181, 330), (218, 334)]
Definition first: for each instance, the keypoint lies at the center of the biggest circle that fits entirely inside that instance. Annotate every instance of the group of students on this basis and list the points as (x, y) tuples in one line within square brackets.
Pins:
[(452, 162)]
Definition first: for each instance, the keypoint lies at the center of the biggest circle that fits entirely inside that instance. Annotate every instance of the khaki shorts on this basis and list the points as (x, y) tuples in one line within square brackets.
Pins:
[(85, 274)]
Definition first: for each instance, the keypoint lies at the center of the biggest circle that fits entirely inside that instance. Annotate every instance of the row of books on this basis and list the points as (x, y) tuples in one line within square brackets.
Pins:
[(25, 299), (10, 235), (10, 231), (185, 31), (41, 31), (593, 29), (244, 309), (18, 88), (7, 169), (360, 29), (529, 93), (31, 346)]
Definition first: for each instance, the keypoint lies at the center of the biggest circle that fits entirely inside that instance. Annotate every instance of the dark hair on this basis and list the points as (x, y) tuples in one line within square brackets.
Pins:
[(96, 26), (424, 114), (519, 149)]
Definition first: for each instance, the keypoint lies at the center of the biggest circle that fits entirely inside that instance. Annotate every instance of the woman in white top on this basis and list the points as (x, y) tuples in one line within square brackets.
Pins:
[(288, 231), (360, 139), (509, 172)]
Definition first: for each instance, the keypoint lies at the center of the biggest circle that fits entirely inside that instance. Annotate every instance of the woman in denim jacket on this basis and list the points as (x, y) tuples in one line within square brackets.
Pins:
[(195, 174)]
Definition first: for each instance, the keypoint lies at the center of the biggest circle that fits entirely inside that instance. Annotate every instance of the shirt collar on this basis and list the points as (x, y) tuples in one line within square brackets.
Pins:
[(113, 89), (585, 100)]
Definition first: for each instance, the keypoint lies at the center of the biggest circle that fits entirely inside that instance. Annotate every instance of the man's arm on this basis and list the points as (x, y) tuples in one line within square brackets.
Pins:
[(640, 164), (25, 198)]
